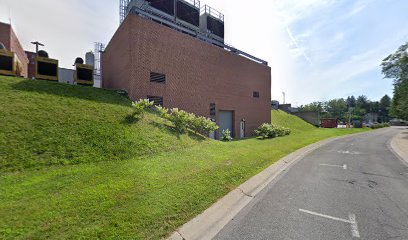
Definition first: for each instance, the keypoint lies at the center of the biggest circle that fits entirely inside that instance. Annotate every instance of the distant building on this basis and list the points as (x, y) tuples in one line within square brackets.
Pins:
[(275, 105), (12, 44), (370, 118), (398, 122), (286, 107)]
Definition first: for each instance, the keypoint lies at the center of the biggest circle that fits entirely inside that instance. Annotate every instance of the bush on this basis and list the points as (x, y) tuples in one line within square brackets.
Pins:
[(267, 130), (140, 107), (226, 135), (380, 125), (183, 120), (357, 124), (163, 112)]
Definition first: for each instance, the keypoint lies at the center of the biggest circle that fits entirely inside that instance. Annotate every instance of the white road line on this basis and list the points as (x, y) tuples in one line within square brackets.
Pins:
[(330, 165), (352, 221), (354, 227), (325, 216)]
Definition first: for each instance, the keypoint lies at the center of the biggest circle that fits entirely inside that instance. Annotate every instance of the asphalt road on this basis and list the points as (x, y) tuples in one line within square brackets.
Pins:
[(353, 188)]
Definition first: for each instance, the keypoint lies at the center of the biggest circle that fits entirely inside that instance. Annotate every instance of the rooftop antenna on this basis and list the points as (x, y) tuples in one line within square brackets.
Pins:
[(36, 43), (10, 15)]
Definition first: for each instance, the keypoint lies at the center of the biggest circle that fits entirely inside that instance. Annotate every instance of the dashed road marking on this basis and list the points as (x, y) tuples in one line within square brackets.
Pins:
[(352, 220), (340, 166)]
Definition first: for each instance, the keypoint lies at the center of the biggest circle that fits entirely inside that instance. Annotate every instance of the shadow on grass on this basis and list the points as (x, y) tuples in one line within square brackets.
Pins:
[(130, 119), (66, 90), (171, 130)]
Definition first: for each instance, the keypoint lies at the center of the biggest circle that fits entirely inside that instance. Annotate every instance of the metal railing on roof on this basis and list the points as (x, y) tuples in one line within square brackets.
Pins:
[(212, 12), (147, 12), (195, 3)]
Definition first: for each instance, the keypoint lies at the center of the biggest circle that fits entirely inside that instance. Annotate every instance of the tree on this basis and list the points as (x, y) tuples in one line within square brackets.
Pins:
[(336, 108), (384, 108), (312, 107), (395, 67), (351, 101)]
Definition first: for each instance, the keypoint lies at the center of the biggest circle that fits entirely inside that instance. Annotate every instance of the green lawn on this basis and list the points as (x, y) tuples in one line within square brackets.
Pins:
[(72, 166)]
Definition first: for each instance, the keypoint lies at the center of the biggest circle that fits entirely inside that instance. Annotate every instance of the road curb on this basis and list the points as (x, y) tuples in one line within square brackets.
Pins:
[(397, 146), (209, 223)]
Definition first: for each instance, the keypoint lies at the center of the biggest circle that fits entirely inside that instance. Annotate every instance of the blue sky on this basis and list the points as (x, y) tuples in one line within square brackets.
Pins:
[(318, 49)]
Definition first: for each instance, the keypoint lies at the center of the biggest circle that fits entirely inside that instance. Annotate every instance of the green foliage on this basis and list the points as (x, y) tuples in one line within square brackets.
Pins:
[(380, 125), (267, 130), (163, 112), (343, 109), (395, 67), (226, 136), (180, 119), (140, 107), (183, 120)]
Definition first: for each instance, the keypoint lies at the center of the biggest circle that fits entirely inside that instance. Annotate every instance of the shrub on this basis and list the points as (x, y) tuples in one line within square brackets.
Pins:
[(180, 119), (183, 120), (140, 107), (380, 125), (163, 112), (226, 135), (267, 130)]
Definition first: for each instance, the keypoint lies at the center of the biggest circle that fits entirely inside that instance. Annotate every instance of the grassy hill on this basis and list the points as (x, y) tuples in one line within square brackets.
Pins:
[(297, 125), (86, 172), (47, 123)]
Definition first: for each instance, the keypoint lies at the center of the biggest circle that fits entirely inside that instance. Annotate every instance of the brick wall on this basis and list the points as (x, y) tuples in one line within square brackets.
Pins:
[(31, 64), (5, 33), (11, 42), (16, 47), (197, 73)]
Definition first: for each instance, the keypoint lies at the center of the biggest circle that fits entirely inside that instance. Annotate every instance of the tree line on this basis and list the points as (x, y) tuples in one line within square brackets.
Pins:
[(351, 108), (395, 67)]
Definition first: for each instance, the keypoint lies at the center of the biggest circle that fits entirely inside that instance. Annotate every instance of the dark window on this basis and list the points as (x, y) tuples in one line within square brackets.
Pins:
[(157, 77), (47, 69), (84, 74), (158, 101), (256, 95), (212, 109), (6, 63)]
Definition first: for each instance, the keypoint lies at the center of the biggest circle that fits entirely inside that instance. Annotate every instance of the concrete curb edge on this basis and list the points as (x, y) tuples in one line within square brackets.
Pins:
[(397, 149)]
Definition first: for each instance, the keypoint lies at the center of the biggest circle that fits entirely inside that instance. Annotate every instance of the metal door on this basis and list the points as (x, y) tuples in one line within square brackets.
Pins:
[(225, 121)]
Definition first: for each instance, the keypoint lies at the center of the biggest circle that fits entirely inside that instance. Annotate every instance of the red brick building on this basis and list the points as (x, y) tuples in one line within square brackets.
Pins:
[(31, 64), (151, 60), (11, 42)]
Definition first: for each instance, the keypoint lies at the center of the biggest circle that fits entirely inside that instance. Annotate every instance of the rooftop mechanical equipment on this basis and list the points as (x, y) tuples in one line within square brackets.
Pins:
[(10, 65), (45, 67), (84, 73)]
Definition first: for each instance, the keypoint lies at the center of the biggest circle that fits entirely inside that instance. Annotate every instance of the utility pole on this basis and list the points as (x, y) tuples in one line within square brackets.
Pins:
[(36, 46), (284, 97)]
